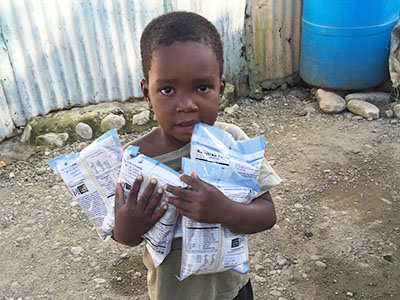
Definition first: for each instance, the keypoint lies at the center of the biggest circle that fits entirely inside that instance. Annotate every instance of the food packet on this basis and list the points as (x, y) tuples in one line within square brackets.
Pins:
[(91, 176), (211, 248), (159, 238), (219, 147)]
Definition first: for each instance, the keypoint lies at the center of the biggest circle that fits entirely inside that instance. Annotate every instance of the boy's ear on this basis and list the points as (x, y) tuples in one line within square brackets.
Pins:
[(222, 86), (144, 85)]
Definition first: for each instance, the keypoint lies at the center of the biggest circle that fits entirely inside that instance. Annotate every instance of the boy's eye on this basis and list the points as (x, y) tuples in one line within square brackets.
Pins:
[(203, 89), (167, 91)]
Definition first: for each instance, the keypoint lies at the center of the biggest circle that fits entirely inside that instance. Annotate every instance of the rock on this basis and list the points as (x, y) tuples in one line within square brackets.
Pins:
[(330, 102), (84, 131), (26, 135), (349, 115), (287, 270), (309, 108), (52, 139), (92, 115), (112, 122), (388, 258), (372, 97), (76, 250), (379, 99), (259, 268), (389, 113), (260, 279), (256, 92), (141, 118), (320, 264), (396, 110), (41, 171), (281, 261), (275, 293), (363, 108), (231, 109), (229, 96)]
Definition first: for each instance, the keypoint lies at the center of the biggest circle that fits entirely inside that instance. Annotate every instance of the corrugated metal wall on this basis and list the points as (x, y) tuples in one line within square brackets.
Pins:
[(273, 42), (55, 54)]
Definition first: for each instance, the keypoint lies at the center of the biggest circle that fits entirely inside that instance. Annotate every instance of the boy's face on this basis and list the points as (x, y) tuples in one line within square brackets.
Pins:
[(184, 87)]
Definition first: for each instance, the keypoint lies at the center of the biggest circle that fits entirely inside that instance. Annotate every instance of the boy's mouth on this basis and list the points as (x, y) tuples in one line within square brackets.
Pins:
[(187, 126)]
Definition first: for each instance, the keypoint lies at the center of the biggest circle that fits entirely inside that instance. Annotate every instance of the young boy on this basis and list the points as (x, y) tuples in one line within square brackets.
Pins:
[(182, 61)]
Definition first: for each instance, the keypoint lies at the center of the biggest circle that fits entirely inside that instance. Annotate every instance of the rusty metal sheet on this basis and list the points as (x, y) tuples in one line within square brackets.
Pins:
[(273, 39)]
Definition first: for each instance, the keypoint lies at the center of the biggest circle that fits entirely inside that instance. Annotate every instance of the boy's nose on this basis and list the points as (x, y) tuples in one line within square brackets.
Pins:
[(186, 104)]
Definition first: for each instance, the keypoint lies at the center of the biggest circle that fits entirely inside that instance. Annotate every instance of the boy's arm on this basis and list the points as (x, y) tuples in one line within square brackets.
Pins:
[(259, 215)]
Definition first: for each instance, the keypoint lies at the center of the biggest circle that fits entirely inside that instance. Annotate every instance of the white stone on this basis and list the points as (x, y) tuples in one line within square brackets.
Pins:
[(26, 134), (141, 118), (84, 131), (330, 102), (363, 108), (396, 110), (389, 113), (320, 264), (260, 279), (231, 109), (76, 250), (112, 122), (54, 139), (275, 293)]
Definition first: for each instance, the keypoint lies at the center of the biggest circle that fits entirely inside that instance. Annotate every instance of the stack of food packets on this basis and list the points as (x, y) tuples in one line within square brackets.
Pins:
[(232, 167), (159, 238), (91, 176)]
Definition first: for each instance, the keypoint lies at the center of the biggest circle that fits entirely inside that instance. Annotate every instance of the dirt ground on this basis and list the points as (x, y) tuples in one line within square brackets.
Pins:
[(337, 235)]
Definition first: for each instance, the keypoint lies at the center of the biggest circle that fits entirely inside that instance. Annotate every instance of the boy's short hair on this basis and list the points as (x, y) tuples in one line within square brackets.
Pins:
[(178, 26)]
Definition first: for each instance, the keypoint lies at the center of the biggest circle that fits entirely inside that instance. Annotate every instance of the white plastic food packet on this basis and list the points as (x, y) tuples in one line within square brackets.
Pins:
[(216, 146), (159, 238), (211, 248), (91, 176)]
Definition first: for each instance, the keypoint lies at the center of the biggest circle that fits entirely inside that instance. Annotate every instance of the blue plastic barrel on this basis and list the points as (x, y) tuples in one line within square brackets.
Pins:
[(345, 43)]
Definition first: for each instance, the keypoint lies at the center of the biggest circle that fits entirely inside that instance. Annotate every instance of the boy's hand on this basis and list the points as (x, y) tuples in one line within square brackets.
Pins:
[(203, 203), (135, 217)]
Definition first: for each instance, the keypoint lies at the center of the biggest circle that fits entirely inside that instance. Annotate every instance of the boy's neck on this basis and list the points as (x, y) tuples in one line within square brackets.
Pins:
[(157, 142)]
